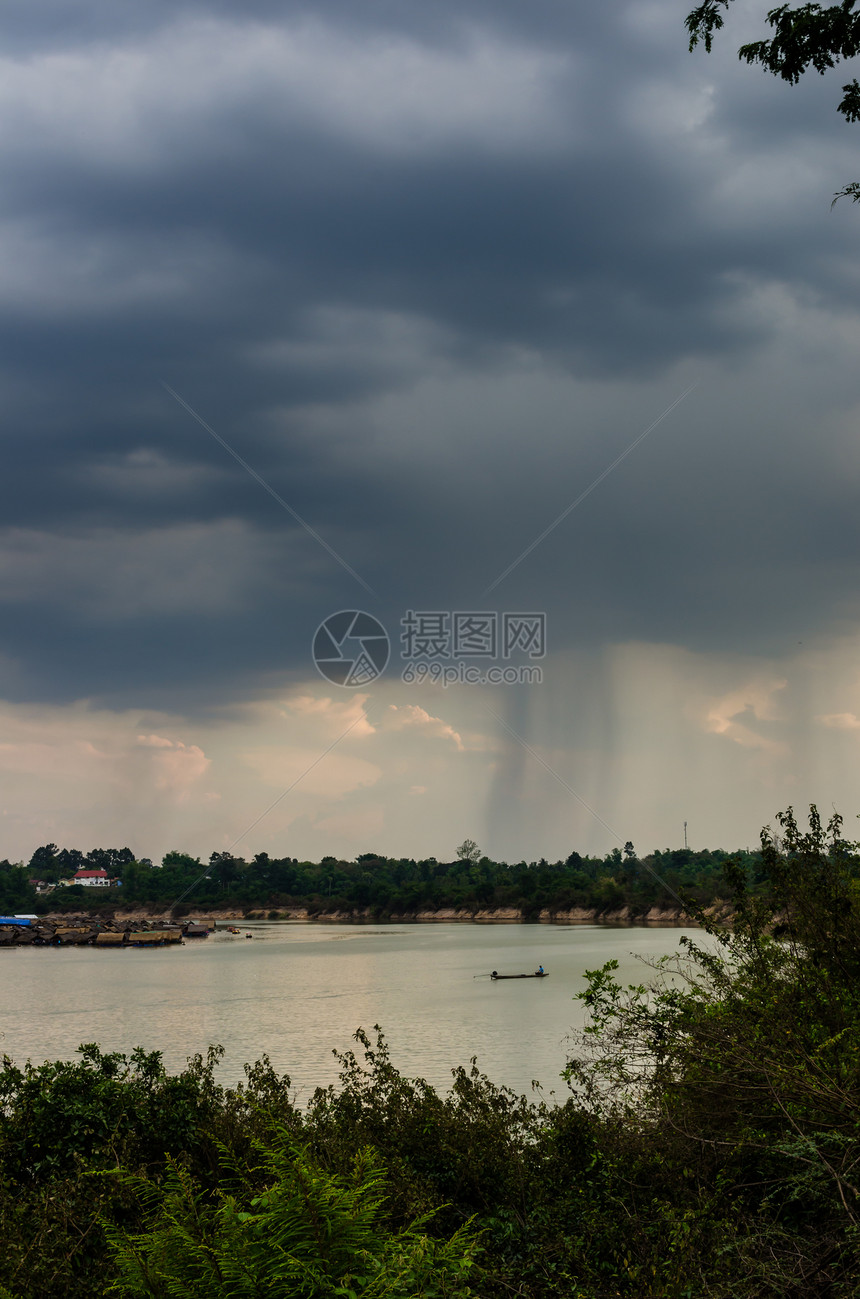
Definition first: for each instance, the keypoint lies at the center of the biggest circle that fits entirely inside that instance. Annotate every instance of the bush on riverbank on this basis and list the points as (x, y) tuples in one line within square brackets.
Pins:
[(709, 1147), (281, 1225)]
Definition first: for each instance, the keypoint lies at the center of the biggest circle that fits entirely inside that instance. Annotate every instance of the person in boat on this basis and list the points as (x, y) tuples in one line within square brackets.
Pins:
[(540, 970)]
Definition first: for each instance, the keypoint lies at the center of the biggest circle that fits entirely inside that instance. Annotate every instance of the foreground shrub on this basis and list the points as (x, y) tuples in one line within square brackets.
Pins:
[(284, 1228), (64, 1120), (742, 1071)]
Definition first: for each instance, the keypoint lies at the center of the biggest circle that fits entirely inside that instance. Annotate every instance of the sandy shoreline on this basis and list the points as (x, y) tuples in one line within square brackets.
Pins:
[(653, 917)]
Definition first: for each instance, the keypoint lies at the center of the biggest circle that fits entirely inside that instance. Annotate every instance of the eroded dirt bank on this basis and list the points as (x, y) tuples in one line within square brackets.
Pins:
[(656, 916)]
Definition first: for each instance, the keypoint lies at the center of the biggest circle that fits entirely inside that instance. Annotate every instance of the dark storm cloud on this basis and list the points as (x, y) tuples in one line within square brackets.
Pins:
[(288, 238), (64, 25)]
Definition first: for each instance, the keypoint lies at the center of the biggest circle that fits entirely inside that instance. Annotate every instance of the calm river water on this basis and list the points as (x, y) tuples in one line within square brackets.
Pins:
[(298, 991)]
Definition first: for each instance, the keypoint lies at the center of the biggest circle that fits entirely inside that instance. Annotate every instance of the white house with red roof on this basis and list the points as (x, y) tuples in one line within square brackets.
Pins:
[(91, 879)]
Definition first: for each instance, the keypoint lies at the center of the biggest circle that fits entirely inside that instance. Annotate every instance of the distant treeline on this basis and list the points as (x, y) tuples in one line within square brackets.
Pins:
[(385, 886)]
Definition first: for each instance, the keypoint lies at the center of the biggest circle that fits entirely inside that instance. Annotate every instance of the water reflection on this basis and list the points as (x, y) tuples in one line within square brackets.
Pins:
[(299, 991)]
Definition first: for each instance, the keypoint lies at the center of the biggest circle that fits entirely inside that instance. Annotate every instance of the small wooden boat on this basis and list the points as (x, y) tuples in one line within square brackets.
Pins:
[(538, 974)]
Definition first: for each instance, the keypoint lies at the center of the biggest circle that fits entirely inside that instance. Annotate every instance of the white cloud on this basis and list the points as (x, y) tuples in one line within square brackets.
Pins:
[(46, 273), (754, 701), (275, 774), (336, 714), (179, 768), (88, 777), (840, 721), (411, 717), (128, 107)]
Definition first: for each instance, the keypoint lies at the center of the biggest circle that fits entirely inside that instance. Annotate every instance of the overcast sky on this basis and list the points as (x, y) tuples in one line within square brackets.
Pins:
[(428, 271)]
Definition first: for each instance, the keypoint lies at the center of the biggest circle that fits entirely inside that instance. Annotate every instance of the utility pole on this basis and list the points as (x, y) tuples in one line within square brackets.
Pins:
[(685, 835)]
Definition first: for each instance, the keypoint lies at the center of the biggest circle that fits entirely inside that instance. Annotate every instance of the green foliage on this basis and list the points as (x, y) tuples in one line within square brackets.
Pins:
[(285, 1227), (804, 36), (62, 1121), (458, 1148), (743, 1061), (16, 893), (107, 1109), (469, 852)]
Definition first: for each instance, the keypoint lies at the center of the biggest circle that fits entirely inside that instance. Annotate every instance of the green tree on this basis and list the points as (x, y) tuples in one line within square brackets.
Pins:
[(469, 852), (16, 892), (182, 859), (111, 860), (45, 865)]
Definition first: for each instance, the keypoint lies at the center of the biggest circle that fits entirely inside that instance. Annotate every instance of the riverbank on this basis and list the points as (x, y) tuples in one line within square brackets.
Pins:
[(668, 917)]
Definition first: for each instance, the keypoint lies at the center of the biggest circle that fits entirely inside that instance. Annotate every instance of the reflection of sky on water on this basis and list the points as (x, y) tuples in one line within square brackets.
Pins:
[(297, 992)]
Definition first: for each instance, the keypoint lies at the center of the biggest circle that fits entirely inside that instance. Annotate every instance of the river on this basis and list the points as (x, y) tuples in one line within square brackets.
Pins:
[(298, 991)]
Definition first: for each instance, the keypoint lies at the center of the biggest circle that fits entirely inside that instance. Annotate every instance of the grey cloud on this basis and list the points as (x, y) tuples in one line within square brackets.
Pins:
[(315, 283)]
